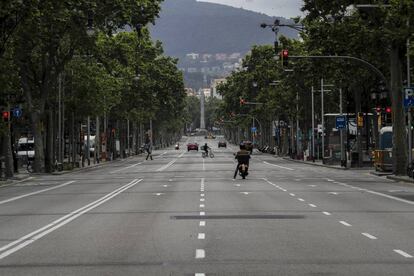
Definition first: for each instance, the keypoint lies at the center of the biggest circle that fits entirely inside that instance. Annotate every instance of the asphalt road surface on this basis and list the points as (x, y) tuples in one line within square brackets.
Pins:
[(181, 214)]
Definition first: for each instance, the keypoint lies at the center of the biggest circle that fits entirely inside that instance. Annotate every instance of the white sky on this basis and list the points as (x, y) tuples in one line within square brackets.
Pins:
[(284, 8)]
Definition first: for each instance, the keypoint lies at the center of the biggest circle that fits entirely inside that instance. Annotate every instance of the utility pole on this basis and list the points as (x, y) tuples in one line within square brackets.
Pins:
[(313, 124), (410, 133), (323, 122), (341, 130), (59, 157), (88, 142), (297, 124)]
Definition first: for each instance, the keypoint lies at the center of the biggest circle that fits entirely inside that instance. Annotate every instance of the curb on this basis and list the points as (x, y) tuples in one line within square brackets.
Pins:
[(314, 164), (400, 179)]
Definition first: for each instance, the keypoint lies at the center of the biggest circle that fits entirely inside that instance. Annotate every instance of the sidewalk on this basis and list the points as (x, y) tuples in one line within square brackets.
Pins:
[(405, 179)]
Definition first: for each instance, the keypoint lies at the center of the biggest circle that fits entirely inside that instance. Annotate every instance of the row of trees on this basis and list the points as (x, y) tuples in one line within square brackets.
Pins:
[(64, 62), (377, 34)]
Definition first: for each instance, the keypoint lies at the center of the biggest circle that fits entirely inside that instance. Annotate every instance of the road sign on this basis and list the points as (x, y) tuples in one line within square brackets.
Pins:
[(408, 97), (17, 112), (254, 129), (340, 122)]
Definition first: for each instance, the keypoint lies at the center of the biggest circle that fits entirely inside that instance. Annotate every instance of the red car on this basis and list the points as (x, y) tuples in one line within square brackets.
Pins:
[(192, 146)]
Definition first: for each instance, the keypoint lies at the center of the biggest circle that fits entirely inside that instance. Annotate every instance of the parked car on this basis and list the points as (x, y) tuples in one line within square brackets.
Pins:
[(222, 144), (192, 146)]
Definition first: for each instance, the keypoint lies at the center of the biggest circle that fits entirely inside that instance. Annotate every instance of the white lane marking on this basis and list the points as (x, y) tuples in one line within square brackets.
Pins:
[(170, 180), (333, 193), (301, 199), (284, 190), (237, 185), (158, 194), (200, 274), (312, 186), (165, 186), (381, 194), (345, 223), (200, 254), (202, 213), (202, 206), (204, 166), (35, 193), (201, 190), (286, 168), (134, 165), (292, 194), (170, 163), (369, 236), (202, 223), (202, 195), (202, 199), (330, 180), (201, 236), (312, 205), (43, 231), (402, 253), (326, 213), (245, 193)]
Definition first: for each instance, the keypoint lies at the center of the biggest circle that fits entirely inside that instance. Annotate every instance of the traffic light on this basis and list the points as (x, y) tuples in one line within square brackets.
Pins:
[(388, 109), (285, 57), (5, 115), (242, 101), (378, 109)]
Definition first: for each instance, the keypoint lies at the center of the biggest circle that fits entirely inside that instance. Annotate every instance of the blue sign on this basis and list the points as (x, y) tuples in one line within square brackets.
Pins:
[(254, 129), (17, 112), (408, 97), (340, 122)]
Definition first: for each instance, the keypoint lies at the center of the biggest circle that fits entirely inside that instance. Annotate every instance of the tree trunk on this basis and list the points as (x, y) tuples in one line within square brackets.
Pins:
[(8, 156), (398, 115), (49, 160)]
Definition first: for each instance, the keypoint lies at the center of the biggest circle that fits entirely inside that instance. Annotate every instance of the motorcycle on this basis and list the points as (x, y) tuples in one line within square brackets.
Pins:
[(177, 146), (243, 170)]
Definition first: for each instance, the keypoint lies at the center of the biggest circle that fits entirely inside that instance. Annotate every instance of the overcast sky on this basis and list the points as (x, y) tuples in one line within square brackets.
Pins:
[(284, 8)]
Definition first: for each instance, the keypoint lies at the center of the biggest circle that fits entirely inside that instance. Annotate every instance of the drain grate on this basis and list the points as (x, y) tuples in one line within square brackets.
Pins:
[(239, 217)]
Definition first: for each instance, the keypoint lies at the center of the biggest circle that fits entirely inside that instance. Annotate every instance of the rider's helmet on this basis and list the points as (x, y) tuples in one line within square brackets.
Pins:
[(242, 146)]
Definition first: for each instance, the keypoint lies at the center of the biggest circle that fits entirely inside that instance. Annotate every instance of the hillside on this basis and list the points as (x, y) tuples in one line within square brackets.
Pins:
[(187, 26)]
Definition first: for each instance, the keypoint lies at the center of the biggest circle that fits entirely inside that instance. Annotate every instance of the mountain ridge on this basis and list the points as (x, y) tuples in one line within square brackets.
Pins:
[(187, 26)]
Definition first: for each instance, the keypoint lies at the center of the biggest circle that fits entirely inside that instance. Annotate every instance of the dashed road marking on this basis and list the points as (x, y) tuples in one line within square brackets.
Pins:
[(326, 213), (245, 193), (201, 236), (369, 236), (237, 185), (274, 165), (301, 199), (345, 223), (200, 274), (292, 194), (202, 223), (200, 254), (202, 195), (312, 205), (165, 186), (202, 213), (312, 186), (202, 206), (333, 193), (158, 194), (202, 199), (403, 253)]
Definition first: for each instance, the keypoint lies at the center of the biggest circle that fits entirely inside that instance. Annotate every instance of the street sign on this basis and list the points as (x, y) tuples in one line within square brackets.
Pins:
[(340, 122), (254, 129), (17, 112), (408, 97)]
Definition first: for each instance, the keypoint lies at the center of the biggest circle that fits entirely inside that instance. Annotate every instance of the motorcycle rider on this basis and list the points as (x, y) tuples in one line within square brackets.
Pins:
[(242, 157)]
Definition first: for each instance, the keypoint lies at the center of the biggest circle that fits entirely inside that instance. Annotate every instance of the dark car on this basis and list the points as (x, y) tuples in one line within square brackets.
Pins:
[(222, 144), (192, 146)]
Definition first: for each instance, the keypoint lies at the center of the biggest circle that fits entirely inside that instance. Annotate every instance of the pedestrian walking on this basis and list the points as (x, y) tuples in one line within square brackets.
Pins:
[(148, 149)]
